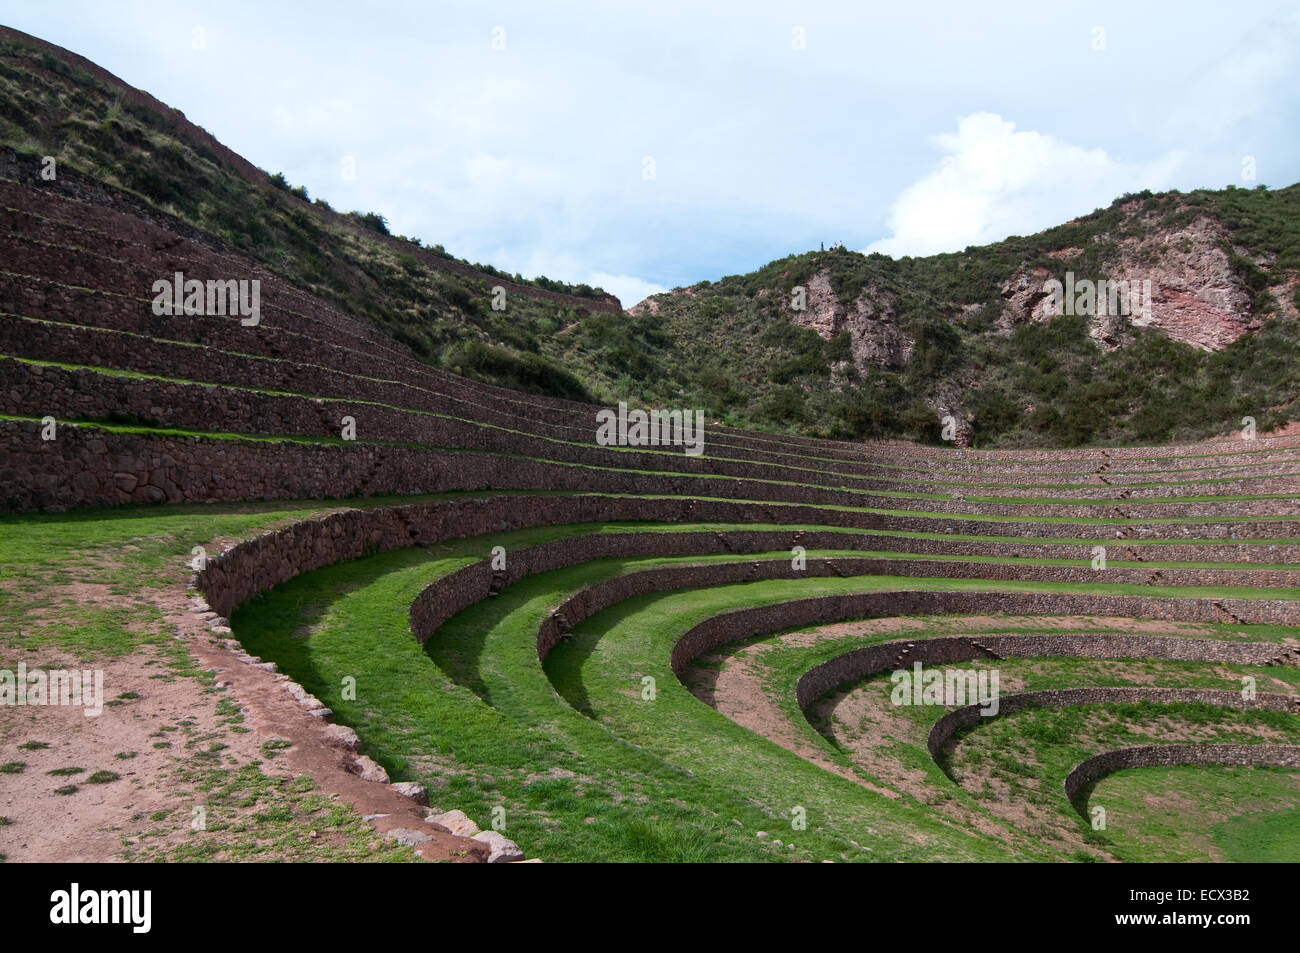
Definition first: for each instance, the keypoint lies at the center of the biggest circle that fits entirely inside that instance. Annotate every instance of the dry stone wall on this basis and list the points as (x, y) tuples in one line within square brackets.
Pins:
[(86, 394), (743, 624), (967, 716), (864, 662), (441, 600), (274, 557), (185, 405), (1086, 773), (92, 466)]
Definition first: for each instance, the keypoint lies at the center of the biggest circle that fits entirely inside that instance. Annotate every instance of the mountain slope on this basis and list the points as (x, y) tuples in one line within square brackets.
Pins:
[(882, 348)]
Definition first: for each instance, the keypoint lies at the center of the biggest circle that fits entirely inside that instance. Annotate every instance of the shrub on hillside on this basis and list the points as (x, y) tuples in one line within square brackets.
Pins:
[(374, 221), (529, 372)]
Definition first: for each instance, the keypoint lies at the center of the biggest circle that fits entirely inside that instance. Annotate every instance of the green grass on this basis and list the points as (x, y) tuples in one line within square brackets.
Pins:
[(480, 738), (1185, 813), (476, 716), (1269, 837), (320, 637)]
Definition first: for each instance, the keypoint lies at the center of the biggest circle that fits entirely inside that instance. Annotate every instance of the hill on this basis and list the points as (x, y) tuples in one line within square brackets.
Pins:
[(886, 347), (348, 604), (883, 348)]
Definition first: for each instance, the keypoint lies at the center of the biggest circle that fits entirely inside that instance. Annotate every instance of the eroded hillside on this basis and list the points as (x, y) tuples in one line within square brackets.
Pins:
[(1200, 333)]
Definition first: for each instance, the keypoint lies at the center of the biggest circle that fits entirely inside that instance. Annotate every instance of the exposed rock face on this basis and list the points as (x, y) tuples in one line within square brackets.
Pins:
[(1024, 298), (875, 336), (1195, 297), (651, 304)]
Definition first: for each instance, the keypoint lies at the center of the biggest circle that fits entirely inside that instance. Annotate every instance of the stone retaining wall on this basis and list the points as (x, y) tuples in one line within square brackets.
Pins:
[(86, 394), (444, 598), (274, 557), (111, 349), (869, 660), (1086, 773), (741, 624), (90, 466), (969, 715)]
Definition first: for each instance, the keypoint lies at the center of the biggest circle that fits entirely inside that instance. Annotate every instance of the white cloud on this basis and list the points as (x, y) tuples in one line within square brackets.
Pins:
[(629, 289), (994, 181), (1255, 73), (569, 267)]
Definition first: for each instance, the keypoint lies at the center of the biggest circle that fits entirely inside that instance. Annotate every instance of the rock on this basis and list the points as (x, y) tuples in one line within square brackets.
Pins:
[(457, 822), (368, 770), (404, 835), (502, 849), (414, 790), (873, 324), (341, 736)]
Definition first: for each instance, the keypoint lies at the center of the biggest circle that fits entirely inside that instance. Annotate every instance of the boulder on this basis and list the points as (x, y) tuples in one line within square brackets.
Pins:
[(408, 837), (502, 849), (413, 790), (457, 822), (368, 770), (341, 736)]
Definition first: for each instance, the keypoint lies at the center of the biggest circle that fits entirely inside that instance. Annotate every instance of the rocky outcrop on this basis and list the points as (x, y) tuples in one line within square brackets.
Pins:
[(1024, 298), (875, 334), (1196, 297)]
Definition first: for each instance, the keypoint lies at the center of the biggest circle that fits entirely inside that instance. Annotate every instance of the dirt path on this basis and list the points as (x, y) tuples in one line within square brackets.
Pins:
[(173, 711)]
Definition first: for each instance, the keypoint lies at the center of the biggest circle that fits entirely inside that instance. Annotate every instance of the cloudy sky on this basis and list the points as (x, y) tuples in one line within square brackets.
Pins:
[(646, 145)]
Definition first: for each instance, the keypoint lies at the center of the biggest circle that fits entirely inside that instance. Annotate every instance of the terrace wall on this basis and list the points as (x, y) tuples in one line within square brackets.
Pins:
[(969, 715), (87, 394), (90, 466), (741, 624), (1087, 773), (258, 564), (864, 662)]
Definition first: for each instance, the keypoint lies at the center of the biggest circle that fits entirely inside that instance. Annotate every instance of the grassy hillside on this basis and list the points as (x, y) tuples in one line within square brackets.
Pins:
[(729, 346), (104, 134), (1035, 384)]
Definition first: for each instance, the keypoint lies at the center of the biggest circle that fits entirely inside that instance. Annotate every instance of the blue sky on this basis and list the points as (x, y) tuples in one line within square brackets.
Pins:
[(904, 128)]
